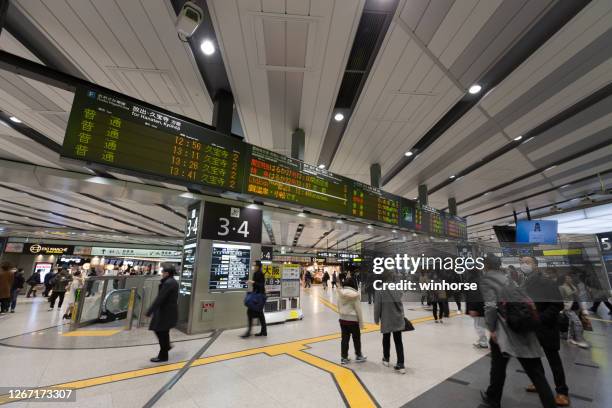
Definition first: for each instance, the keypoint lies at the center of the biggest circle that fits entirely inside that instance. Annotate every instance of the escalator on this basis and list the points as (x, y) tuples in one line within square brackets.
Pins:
[(115, 305)]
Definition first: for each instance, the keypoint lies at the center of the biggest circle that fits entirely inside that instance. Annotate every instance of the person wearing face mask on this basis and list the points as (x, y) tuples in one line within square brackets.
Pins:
[(545, 293)]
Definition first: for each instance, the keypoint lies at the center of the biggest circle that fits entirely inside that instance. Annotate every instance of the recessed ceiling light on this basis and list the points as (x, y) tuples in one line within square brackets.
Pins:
[(370, 226), (518, 138), (14, 119), (207, 47), (394, 231), (565, 186), (339, 221), (321, 166), (301, 214), (452, 176), (474, 89), (253, 206), (338, 117), (408, 153)]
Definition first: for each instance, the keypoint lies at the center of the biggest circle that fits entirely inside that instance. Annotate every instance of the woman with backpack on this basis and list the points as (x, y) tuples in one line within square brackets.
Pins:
[(389, 312), (351, 320)]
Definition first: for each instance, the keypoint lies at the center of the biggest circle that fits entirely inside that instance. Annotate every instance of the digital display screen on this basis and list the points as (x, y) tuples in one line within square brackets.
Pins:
[(537, 231), (429, 220), (278, 177), (407, 213), (455, 227), (374, 204), (230, 267), (117, 133)]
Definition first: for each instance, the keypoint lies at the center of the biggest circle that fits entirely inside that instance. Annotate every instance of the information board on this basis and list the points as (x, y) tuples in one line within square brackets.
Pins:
[(455, 227), (428, 220), (229, 267), (116, 133), (374, 204), (190, 250), (278, 177), (407, 213), (272, 274), (231, 223)]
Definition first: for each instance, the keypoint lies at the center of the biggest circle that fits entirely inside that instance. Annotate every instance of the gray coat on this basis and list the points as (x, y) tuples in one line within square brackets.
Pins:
[(523, 345), (389, 310)]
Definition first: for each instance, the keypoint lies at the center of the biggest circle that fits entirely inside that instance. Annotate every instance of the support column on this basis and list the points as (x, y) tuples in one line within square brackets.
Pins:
[(3, 10), (375, 175), (515, 217), (298, 139), (528, 213), (452, 206), (423, 194), (223, 111)]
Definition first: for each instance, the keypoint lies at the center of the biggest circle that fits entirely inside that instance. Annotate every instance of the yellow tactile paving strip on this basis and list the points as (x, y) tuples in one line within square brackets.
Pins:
[(352, 390), (91, 333)]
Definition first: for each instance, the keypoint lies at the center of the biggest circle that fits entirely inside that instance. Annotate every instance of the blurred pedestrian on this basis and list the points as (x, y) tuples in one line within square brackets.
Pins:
[(164, 310), (18, 282)]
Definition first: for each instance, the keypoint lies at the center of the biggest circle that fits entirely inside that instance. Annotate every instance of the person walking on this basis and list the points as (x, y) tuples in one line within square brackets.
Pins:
[(325, 280), (351, 320), (542, 287), (18, 282), (77, 284), (33, 282), (474, 306), (389, 313), (259, 288), (164, 312), (47, 281), (571, 310), (506, 342), (334, 279), (58, 286), (7, 272)]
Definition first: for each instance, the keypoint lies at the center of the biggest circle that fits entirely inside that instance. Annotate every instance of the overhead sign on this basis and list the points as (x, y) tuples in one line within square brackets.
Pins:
[(267, 253), (118, 133), (14, 247), (605, 242), (231, 223), (135, 252), (113, 131), (47, 249), (190, 252)]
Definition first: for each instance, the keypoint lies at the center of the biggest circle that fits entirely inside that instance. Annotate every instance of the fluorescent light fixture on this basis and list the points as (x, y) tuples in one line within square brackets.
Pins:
[(518, 138), (14, 119), (207, 47), (565, 186), (528, 140), (338, 117), (452, 176), (474, 89), (301, 214), (408, 153), (321, 166), (253, 206), (370, 226), (339, 222), (550, 168)]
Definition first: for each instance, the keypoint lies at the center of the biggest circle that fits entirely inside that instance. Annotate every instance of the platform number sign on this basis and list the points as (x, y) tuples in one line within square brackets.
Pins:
[(266, 253), (192, 222), (231, 223), (605, 242)]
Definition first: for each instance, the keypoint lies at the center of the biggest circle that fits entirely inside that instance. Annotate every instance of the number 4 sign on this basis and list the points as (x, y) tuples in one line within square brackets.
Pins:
[(230, 223)]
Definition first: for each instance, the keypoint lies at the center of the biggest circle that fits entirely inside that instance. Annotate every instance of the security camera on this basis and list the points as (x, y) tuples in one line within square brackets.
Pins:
[(188, 19)]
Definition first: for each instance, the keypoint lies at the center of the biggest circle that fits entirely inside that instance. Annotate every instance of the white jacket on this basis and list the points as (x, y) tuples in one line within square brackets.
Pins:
[(349, 305)]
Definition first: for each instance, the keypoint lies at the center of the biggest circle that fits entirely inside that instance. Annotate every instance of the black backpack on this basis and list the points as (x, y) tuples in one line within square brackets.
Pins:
[(518, 309)]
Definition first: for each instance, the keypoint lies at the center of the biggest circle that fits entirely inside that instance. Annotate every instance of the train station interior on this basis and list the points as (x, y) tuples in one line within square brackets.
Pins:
[(203, 203)]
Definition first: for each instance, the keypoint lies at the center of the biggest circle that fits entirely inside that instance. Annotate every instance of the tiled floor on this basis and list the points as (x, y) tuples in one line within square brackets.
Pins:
[(443, 369)]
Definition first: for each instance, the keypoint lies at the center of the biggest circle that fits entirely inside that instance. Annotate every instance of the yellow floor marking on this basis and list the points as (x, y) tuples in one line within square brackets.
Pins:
[(328, 304), (352, 390), (91, 333), (600, 320)]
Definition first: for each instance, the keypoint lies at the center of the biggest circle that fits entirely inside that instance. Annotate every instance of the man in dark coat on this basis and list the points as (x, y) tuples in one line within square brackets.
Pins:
[(165, 312), (548, 302)]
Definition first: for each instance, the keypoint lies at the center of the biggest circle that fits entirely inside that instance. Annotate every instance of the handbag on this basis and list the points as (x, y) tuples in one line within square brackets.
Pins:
[(255, 301), (408, 326)]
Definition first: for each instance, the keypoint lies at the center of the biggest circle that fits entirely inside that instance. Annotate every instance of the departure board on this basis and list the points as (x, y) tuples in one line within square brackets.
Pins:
[(407, 213), (374, 204), (230, 265), (428, 220), (278, 177), (118, 134), (455, 227)]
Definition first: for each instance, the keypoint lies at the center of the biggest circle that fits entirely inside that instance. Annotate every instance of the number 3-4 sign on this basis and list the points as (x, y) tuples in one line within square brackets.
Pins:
[(231, 223)]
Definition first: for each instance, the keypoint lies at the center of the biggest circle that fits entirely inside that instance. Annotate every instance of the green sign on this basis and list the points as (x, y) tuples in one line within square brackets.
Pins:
[(120, 135), (374, 204)]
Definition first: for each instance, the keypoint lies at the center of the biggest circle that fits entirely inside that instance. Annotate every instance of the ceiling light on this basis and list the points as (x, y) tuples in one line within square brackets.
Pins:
[(474, 89), (528, 140), (339, 221), (301, 214), (207, 47), (253, 206), (408, 153), (338, 117), (370, 226), (394, 231), (452, 176), (550, 168), (14, 119), (321, 166), (565, 186), (518, 138)]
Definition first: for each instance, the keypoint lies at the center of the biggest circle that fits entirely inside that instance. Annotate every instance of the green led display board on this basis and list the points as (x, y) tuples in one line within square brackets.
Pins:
[(281, 178), (374, 204), (118, 134)]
